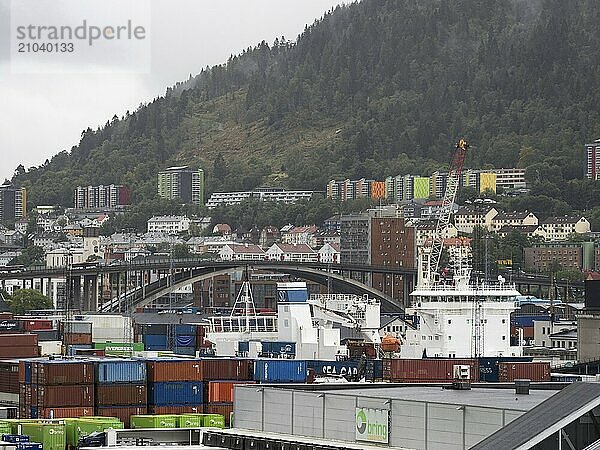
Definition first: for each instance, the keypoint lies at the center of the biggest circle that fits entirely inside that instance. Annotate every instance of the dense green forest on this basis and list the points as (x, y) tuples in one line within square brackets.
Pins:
[(374, 88)]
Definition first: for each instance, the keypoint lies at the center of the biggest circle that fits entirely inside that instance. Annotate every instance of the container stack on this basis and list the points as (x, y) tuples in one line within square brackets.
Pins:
[(9, 382), (18, 346), (220, 376), (121, 388), (77, 335), (59, 389), (174, 386), (154, 336), (184, 339)]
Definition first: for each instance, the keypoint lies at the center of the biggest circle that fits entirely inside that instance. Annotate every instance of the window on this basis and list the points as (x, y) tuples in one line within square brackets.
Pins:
[(449, 321)]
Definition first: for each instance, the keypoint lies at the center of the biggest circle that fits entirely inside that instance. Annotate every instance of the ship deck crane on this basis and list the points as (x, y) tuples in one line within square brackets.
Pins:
[(429, 263)]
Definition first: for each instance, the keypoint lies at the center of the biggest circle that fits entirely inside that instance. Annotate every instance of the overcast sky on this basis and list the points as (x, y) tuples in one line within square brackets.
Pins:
[(42, 114)]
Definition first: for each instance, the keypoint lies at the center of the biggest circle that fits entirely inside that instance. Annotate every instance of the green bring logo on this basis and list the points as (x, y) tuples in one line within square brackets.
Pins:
[(372, 425)]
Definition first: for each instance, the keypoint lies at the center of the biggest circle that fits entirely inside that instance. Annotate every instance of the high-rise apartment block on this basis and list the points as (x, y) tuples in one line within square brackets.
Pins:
[(12, 202), (592, 154), (93, 197), (183, 184)]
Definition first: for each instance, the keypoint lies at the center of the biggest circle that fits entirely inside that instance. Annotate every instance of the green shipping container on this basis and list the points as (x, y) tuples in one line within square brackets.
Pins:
[(78, 428), (52, 436), (5, 428), (157, 421), (119, 348), (214, 420), (190, 421)]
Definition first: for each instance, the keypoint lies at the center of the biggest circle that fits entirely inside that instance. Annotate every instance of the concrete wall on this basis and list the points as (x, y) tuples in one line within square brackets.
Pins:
[(414, 424), (588, 336)]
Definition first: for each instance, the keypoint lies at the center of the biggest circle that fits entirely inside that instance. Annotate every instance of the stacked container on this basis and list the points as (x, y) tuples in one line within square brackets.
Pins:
[(184, 339), (18, 346), (154, 336), (121, 388), (77, 335), (59, 389), (174, 386), (9, 380), (220, 376)]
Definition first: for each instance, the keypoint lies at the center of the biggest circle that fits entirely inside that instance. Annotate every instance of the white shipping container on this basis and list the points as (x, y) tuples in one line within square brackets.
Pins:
[(50, 348), (112, 335), (5, 398)]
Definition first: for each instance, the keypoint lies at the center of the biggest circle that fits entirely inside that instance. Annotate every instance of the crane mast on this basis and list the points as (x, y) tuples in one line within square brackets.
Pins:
[(431, 255)]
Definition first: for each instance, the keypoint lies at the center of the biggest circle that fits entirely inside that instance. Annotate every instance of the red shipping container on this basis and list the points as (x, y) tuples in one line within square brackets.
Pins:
[(61, 396), (404, 370), (37, 324), (123, 413), (222, 391), (178, 370), (58, 373), (6, 316), (18, 340), (199, 409), (64, 413), (121, 394), (225, 409), (534, 371), (9, 377), (19, 352), (77, 338), (226, 369)]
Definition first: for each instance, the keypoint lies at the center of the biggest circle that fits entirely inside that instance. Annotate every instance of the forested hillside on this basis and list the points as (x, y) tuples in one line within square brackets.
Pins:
[(376, 88)]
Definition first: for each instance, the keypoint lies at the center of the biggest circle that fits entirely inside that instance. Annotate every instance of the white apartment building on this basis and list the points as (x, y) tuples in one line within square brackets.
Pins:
[(274, 195), (510, 178), (299, 235), (513, 219), (559, 228), (242, 252), (467, 218), (168, 224), (329, 253), (291, 252)]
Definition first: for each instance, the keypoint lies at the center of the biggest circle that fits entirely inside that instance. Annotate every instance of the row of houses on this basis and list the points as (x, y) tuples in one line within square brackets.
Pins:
[(328, 253)]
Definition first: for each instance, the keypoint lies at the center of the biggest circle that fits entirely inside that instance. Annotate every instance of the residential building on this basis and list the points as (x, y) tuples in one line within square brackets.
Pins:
[(242, 252), (299, 235), (223, 229), (7, 257), (526, 230), (12, 238), (329, 253), (547, 256), (168, 224), (544, 328), (183, 184), (469, 217), (93, 197), (412, 210), (13, 202), (63, 257), (425, 231), (513, 219), (268, 236), (433, 208), (292, 253), (332, 223), (262, 194), (560, 228), (355, 239), (322, 237), (592, 159), (509, 179)]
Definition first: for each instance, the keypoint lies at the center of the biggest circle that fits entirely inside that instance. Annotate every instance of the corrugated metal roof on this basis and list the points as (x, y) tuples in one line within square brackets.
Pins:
[(545, 419)]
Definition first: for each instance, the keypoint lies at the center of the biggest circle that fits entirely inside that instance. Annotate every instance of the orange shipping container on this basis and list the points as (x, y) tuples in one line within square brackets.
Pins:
[(77, 338), (179, 370), (222, 391), (64, 413), (60, 396), (18, 340), (30, 351), (405, 370)]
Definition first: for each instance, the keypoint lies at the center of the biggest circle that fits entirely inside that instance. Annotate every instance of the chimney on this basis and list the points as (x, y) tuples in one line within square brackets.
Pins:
[(522, 387)]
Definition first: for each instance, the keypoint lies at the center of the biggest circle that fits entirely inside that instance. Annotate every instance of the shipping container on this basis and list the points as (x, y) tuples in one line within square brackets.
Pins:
[(10, 326), (189, 421), (185, 341), (119, 348), (47, 335), (77, 338), (120, 371), (335, 368), (9, 377), (121, 394), (79, 349), (488, 366), (222, 391), (357, 349), (188, 351), (29, 351), (61, 396), (405, 370), (280, 371), (534, 371), (185, 329), (175, 393), (52, 436), (37, 324), (123, 413), (374, 369), (18, 340), (181, 409), (174, 370), (54, 372), (235, 369), (154, 421), (154, 328), (219, 409), (49, 348), (155, 340), (77, 327), (62, 413)]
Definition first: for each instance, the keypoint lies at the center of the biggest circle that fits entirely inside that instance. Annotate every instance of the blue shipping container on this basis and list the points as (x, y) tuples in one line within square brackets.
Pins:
[(333, 367), (121, 371), (280, 371), (72, 349), (185, 329), (185, 351), (527, 321), (185, 341), (27, 371), (154, 339), (243, 346), (29, 446), (15, 438), (175, 393)]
